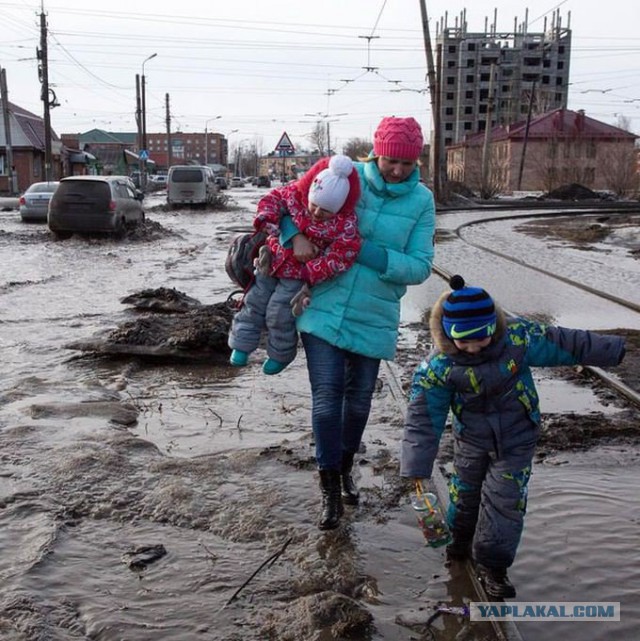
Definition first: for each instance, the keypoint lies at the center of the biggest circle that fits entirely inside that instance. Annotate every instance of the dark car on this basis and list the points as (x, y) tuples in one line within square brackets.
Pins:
[(34, 203), (222, 183), (264, 181), (86, 204)]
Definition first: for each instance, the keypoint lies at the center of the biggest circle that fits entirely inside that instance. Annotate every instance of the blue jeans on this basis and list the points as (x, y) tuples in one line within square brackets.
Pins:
[(342, 385)]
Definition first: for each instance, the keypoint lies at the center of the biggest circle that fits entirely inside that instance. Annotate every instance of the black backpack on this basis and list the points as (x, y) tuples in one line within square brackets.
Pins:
[(243, 250)]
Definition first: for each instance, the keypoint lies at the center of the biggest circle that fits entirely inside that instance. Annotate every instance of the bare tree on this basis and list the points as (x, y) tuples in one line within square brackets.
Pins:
[(618, 168), (318, 138), (494, 182), (357, 148), (623, 122)]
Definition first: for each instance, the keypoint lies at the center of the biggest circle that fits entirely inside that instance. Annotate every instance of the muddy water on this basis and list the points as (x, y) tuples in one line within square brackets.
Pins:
[(100, 457)]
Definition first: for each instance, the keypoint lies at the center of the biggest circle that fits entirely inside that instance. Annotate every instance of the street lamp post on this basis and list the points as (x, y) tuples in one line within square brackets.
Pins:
[(143, 162), (206, 138)]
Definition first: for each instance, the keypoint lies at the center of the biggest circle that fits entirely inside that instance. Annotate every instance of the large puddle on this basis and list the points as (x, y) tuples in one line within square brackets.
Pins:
[(218, 468)]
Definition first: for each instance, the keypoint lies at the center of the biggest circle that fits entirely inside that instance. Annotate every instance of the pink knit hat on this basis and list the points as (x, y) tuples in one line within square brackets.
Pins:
[(398, 138)]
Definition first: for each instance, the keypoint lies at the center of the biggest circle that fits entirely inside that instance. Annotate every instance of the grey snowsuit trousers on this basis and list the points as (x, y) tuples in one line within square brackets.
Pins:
[(489, 500), (266, 306)]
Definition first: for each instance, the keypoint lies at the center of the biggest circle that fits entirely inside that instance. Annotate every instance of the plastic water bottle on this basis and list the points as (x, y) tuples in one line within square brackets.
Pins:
[(431, 522)]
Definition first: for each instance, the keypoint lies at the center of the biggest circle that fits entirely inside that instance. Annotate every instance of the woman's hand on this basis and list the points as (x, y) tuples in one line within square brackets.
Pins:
[(303, 249)]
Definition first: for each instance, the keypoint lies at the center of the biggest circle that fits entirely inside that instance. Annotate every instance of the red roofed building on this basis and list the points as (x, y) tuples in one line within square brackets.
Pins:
[(560, 147)]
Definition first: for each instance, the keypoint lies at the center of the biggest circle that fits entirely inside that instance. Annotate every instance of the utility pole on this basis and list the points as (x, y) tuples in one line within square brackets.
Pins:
[(526, 135), (435, 111), (139, 117), (6, 114), (44, 94), (168, 121), (487, 137)]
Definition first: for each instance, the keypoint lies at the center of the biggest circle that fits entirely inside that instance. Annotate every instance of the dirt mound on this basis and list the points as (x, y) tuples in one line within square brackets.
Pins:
[(574, 191)]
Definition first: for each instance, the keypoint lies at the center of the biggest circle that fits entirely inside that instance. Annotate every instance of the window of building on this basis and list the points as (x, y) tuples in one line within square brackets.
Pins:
[(448, 141), (558, 82), (471, 46), (530, 77), (506, 73), (448, 111), (451, 63), (482, 125), (452, 49), (484, 94), (451, 80), (471, 62), (591, 149), (561, 49), (470, 79), (468, 110), (531, 62), (560, 64), (558, 97), (449, 95), (506, 88), (545, 80), (484, 77), (448, 126), (468, 126), (3, 170), (468, 95), (482, 109), (546, 63)]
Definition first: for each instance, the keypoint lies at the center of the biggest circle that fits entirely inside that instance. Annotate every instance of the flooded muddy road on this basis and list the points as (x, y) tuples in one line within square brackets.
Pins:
[(138, 497)]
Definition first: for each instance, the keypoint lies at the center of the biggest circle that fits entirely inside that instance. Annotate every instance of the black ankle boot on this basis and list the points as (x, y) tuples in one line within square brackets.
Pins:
[(332, 508), (496, 582), (350, 494)]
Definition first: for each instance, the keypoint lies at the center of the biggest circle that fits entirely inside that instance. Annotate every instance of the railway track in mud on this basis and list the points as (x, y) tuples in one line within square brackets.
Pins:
[(629, 394)]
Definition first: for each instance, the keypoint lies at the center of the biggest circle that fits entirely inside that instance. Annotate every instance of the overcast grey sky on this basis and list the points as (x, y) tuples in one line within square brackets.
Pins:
[(264, 65)]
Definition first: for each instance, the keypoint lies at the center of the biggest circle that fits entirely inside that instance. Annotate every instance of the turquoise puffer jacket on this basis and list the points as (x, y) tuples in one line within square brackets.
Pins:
[(359, 310)]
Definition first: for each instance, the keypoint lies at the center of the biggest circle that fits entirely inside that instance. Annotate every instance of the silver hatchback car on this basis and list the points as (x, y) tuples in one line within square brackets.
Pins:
[(86, 204), (34, 203)]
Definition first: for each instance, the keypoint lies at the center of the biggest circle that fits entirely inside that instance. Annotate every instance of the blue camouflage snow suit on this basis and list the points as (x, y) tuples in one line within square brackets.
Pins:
[(496, 422)]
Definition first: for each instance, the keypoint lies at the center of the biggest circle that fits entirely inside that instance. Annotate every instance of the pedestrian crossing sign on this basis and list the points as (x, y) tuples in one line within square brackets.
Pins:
[(285, 144)]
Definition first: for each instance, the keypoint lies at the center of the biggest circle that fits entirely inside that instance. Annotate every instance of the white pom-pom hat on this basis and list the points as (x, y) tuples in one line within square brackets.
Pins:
[(330, 188)]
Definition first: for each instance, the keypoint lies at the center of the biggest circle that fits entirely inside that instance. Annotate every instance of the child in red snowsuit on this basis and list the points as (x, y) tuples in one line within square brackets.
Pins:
[(322, 206)]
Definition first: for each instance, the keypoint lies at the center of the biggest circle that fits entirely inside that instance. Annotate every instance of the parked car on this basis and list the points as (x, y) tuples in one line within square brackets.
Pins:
[(86, 204), (236, 181), (222, 183), (34, 203), (190, 185), (264, 181), (158, 179)]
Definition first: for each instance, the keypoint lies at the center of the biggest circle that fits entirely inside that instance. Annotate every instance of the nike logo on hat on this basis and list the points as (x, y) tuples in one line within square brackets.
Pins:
[(463, 334)]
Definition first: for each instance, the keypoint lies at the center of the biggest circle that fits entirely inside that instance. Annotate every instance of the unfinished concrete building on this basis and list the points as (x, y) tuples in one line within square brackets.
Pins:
[(500, 73)]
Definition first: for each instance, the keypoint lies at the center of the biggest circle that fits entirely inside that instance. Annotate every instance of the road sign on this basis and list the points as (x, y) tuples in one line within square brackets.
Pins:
[(285, 144), (143, 155)]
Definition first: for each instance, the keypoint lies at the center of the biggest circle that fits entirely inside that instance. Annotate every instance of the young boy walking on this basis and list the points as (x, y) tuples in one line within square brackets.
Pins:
[(481, 373), (322, 206)]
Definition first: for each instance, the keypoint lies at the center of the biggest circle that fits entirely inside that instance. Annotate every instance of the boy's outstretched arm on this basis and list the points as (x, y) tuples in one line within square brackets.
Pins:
[(551, 346)]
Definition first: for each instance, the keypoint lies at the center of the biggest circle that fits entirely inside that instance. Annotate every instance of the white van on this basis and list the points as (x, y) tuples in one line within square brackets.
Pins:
[(190, 185)]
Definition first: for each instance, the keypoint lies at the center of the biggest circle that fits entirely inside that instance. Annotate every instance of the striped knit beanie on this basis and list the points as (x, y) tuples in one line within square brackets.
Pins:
[(468, 313)]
